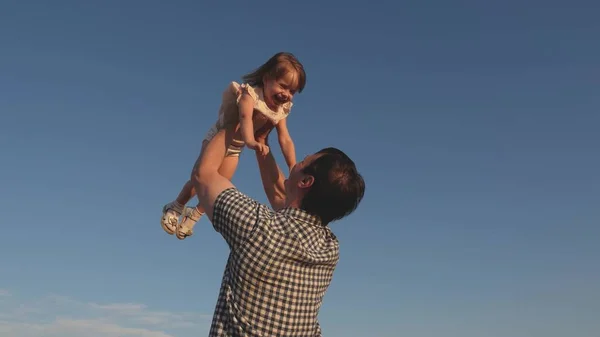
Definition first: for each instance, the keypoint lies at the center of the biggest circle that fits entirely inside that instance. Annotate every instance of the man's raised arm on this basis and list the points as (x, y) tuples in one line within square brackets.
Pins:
[(272, 177), (207, 180)]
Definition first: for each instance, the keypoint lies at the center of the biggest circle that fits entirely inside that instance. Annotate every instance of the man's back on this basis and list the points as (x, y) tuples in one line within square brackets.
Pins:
[(280, 266)]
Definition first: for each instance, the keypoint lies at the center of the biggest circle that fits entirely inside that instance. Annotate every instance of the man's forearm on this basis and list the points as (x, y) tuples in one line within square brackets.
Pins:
[(289, 152), (272, 180)]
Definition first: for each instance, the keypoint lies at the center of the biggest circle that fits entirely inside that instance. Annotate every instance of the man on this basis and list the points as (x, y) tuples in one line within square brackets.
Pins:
[(281, 261)]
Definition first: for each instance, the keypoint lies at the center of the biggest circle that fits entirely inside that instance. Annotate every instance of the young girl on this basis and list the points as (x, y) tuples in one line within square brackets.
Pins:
[(271, 87)]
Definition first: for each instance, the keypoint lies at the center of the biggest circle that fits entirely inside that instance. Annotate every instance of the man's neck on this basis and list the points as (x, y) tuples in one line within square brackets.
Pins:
[(293, 203)]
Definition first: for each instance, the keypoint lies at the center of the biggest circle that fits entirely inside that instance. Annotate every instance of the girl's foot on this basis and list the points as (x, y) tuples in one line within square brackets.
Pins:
[(191, 215), (171, 213)]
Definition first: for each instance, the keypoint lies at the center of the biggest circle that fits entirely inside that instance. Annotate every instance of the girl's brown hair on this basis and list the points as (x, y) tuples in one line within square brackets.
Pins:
[(277, 66)]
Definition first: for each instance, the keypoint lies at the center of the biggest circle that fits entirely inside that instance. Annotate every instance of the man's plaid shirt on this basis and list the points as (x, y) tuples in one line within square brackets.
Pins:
[(279, 268)]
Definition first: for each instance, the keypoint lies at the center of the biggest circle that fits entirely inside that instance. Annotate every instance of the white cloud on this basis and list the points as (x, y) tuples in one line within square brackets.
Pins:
[(54, 316), (4, 292), (119, 306)]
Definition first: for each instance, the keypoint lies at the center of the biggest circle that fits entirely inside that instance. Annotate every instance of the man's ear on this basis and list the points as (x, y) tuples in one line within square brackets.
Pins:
[(306, 182)]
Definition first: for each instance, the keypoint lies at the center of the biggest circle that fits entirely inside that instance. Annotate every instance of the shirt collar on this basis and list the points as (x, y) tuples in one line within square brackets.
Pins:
[(302, 215)]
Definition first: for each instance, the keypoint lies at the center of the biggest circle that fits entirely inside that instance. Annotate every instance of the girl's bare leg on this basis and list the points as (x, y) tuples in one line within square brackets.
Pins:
[(173, 210), (192, 215), (227, 170), (186, 194)]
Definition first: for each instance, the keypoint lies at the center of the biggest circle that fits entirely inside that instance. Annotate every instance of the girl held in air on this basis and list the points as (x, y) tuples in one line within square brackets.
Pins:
[(265, 96)]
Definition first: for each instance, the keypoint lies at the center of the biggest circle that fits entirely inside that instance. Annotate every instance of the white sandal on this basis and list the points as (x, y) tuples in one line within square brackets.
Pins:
[(170, 217), (185, 228)]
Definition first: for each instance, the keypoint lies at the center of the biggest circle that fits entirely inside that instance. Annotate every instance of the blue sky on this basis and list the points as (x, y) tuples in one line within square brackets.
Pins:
[(475, 125)]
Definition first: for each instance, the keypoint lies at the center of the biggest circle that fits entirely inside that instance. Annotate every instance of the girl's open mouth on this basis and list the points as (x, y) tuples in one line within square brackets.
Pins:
[(279, 99)]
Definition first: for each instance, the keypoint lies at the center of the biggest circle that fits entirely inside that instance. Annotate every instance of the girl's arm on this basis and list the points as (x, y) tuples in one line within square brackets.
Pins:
[(286, 143), (246, 106)]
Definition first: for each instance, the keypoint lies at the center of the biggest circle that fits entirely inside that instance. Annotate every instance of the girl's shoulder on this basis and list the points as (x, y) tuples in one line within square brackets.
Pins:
[(236, 90)]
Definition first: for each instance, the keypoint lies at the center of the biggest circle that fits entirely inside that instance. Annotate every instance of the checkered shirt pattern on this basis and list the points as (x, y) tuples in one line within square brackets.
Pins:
[(279, 268)]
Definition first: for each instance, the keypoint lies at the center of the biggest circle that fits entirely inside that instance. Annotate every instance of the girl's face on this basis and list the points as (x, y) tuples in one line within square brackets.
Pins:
[(281, 90)]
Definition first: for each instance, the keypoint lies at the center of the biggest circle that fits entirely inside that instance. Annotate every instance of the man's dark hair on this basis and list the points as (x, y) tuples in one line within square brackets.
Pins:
[(338, 188)]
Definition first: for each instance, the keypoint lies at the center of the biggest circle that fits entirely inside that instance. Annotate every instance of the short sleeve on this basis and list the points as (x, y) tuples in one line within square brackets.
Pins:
[(246, 89), (236, 216)]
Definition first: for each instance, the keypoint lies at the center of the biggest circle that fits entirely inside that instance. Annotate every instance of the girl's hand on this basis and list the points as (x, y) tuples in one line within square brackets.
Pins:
[(262, 149)]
